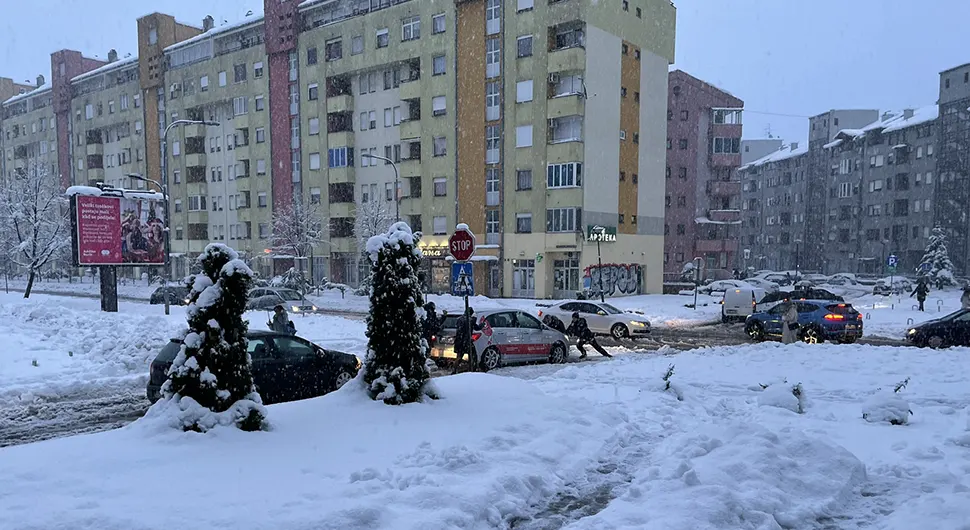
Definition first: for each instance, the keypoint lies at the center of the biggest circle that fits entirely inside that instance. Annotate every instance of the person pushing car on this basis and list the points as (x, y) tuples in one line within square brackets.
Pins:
[(580, 329)]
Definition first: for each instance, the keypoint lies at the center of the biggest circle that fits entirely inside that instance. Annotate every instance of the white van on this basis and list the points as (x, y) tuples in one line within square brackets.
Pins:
[(740, 303)]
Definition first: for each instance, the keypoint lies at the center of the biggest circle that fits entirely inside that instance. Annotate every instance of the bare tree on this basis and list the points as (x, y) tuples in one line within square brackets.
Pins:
[(298, 229), (373, 218), (35, 210)]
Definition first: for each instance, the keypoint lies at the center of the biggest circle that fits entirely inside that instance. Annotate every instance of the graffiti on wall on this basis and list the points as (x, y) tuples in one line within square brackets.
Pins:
[(618, 279)]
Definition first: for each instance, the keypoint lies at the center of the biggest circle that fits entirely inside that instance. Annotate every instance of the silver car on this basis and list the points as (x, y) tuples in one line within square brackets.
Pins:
[(602, 318), (266, 298), (508, 337)]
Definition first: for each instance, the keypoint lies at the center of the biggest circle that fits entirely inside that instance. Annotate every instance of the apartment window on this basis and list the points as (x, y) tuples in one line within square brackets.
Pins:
[(526, 4), (257, 70), (111, 110), (492, 58), (929, 150), (523, 136), (523, 46), (311, 56), (389, 191), (523, 223), (222, 78), (176, 148), (357, 45), (566, 129), (204, 83), (523, 179), (315, 195), (926, 205), (314, 161), (382, 38), (239, 73), (845, 190), (491, 186), (261, 166), (372, 119), (411, 28), (681, 230), (440, 187), (260, 103), (197, 203), (568, 175), (682, 143), (684, 115), (334, 49), (138, 127), (438, 65), (929, 178), (682, 201), (919, 152), (669, 145), (438, 24), (568, 85), (562, 219), (340, 157), (438, 106), (152, 39), (88, 111), (294, 61), (137, 99), (492, 155), (493, 10), (313, 92), (440, 146), (726, 145), (263, 230), (492, 101), (178, 205), (440, 225), (314, 126), (240, 106), (260, 135), (177, 176), (524, 91), (261, 200)]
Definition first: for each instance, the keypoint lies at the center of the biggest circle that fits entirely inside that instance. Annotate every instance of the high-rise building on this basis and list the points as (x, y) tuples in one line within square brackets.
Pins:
[(756, 148), (703, 196), (953, 164)]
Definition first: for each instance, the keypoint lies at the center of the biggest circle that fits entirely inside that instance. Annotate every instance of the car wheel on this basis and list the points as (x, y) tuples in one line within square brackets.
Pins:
[(725, 319), (491, 359), (755, 330), (558, 354), (619, 331), (935, 342), (812, 335), (848, 340), (342, 379)]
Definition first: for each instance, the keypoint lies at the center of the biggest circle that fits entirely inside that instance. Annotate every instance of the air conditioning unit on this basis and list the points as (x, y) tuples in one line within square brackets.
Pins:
[(554, 77)]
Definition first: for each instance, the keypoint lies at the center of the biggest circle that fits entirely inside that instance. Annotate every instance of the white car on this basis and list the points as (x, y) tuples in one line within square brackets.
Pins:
[(720, 286), (769, 287), (602, 318)]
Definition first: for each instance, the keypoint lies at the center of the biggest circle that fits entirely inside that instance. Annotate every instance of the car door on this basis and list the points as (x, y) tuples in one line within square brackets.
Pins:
[(806, 313), (266, 369), (773, 323), (298, 378), (959, 330), (533, 345), (596, 318), (504, 335)]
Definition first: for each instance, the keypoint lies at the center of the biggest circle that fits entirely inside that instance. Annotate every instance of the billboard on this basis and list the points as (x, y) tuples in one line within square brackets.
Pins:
[(115, 230)]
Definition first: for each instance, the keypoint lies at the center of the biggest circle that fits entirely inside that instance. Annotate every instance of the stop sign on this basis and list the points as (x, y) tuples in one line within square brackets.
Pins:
[(462, 244)]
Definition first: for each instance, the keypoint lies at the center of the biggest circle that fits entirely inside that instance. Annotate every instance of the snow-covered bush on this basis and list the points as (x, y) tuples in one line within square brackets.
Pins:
[(888, 407), (396, 369), (211, 381), (666, 384), (291, 279), (783, 396), (936, 264)]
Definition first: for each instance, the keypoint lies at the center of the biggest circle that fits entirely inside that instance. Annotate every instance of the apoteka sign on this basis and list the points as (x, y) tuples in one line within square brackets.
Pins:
[(601, 234)]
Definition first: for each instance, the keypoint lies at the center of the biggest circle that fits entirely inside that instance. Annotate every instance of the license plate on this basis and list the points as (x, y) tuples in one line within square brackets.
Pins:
[(850, 326), (731, 311)]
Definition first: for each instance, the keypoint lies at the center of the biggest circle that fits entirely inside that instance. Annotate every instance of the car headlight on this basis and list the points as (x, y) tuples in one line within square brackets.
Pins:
[(637, 324), (911, 332), (296, 309), (359, 364), (314, 308)]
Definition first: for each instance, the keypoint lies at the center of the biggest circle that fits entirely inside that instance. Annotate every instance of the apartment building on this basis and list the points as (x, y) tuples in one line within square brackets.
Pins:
[(29, 138), (703, 198), (756, 148), (953, 163), (10, 88)]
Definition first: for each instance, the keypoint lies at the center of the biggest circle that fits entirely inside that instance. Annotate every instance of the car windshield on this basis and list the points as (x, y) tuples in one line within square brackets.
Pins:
[(841, 309), (289, 295), (611, 310)]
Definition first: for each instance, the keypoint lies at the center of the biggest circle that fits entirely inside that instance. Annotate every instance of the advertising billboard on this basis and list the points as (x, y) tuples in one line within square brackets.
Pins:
[(114, 230)]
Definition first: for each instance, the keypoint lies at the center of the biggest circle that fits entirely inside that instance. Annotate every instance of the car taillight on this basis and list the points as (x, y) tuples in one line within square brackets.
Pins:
[(833, 316), (540, 312), (476, 335), (858, 316)]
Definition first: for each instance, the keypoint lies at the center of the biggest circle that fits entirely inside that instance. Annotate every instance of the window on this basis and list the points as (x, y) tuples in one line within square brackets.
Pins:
[(524, 91), (491, 186), (240, 106), (523, 136), (88, 111), (314, 161), (492, 155), (440, 146), (682, 201), (681, 230), (492, 101), (261, 166), (177, 176), (682, 143), (261, 201), (382, 38), (438, 65), (372, 119), (313, 92), (523, 223), (845, 190), (257, 70), (222, 79), (152, 40), (724, 145), (137, 99), (176, 148), (197, 203), (111, 110), (523, 179), (438, 106), (311, 56), (929, 178), (562, 219), (260, 135), (492, 57), (929, 150), (565, 129), (438, 24), (239, 73), (357, 45), (260, 103), (684, 115), (340, 157), (493, 10), (919, 152), (568, 175), (440, 225), (334, 49), (525, 4), (411, 28), (314, 126), (523, 46)]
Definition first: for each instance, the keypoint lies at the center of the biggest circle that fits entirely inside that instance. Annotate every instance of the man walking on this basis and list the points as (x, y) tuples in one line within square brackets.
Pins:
[(920, 292), (580, 329), (463, 340)]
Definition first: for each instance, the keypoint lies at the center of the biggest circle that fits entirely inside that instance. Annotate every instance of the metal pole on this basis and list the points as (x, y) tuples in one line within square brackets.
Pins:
[(168, 220), (599, 259), (397, 183)]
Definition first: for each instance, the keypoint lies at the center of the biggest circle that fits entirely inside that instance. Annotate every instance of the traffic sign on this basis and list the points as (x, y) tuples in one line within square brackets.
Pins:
[(462, 243), (892, 261), (925, 267), (462, 279)]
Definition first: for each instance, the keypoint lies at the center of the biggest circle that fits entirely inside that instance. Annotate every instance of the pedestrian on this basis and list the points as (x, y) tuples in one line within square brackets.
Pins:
[(965, 298), (921, 291), (789, 324), (432, 326), (464, 344), (580, 329), (281, 321)]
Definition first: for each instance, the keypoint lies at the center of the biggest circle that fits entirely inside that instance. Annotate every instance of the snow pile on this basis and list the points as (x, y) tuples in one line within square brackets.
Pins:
[(784, 396), (887, 406)]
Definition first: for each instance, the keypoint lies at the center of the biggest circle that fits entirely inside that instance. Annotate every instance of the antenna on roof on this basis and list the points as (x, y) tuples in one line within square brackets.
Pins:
[(249, 13), (768, 131)]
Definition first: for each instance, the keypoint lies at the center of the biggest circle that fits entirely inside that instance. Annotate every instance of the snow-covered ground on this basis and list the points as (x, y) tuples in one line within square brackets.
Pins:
[(592, 446)]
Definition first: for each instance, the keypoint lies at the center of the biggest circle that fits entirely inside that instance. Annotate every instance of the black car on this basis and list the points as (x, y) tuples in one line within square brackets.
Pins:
[(177, 295), (943, 332), (285, 367)]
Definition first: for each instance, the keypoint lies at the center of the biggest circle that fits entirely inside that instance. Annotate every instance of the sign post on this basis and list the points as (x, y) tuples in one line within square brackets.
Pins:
[(891, 263), (461, 244)]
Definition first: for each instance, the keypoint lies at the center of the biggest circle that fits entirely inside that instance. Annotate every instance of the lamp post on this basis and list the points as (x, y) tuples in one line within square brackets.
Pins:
[(798, 242), (164, 186), (600, 232), (397, 182), (164, 189), (697, 278)]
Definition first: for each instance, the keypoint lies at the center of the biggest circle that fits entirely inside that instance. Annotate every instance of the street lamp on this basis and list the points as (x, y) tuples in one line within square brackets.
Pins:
[(797, 257), (397, 182), (164, 187), (697, 278), (600, 231)]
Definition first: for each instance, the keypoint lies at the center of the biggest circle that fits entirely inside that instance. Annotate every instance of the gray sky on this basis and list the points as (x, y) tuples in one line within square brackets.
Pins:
[(794, 57)]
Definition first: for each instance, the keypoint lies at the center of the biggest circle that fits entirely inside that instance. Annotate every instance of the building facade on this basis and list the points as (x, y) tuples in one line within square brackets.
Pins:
[(754, 149), (953, 164), (703, 197)]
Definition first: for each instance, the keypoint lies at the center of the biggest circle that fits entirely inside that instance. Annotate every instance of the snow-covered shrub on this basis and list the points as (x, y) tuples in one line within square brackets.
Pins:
[(291, 279), (365, 285), (666, 384), (783, 396), (888, 407), (211, 382), (396, 369), (936, 264)]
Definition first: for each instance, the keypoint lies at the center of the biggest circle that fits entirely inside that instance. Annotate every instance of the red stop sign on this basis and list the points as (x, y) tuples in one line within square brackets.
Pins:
[(462, 245)]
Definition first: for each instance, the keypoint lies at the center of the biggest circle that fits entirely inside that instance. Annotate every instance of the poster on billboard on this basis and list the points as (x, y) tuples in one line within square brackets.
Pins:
[(119, 229)]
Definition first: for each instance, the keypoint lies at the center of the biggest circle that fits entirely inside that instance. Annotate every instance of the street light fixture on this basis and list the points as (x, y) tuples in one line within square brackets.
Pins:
[(397, 182), (798, 242), (164, 187), (600, 231)]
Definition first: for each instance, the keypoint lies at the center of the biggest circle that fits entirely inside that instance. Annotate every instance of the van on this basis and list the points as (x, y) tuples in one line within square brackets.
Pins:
[(740, 302)]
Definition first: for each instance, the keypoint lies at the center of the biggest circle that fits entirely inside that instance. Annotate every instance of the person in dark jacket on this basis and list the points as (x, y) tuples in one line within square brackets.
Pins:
[(580, 329), (920, 292), (554, 323), (463, 340), (281, 321), (432, 325)]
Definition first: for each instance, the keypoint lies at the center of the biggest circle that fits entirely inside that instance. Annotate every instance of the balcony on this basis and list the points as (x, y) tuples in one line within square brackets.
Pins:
[(195, 160), (725, 159), (724, 216), (411, 128), (724, 188), (342, 209), (341, 103), (341, 175), (561, 106), (410, 90), (194, 130), (340, 122), (96, 175), (95, 149), (567, 59), (717, 245), (554, 241), (342, 139)]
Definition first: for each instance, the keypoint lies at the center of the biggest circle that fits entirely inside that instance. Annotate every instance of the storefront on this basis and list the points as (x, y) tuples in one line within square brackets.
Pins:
[(435, 268)]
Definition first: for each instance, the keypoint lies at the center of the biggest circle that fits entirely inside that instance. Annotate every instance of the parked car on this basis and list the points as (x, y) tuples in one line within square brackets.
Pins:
[(739, 303), (816, 279), (602, 318), (266, 298), (943, 332), (780, 278), (769, 287), (842, 279), (285, 367), (818, 321), (721, 286), (511, 337), (177, 295), (900, 285), (772, 299)]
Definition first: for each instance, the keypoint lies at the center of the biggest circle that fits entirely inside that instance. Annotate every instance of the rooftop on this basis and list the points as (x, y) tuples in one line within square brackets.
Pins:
[(784, 153), (37, 91), (891, 121), (247, 21), (106, 68)]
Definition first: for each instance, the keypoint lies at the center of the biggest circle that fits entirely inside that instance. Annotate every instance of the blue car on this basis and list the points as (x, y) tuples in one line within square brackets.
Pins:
[(818, 321)]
